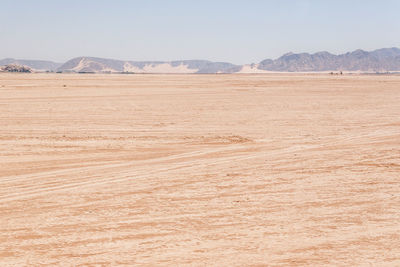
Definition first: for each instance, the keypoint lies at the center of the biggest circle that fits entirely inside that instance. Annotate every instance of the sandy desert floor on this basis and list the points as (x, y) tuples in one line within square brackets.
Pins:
[(201, 170)]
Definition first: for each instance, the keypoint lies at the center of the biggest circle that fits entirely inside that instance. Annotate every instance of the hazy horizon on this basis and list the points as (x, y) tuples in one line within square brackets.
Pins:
[(231, 31)]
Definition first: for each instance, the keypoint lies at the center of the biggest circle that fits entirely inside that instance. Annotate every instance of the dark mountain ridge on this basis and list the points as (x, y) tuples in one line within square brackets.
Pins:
[(385, 59)]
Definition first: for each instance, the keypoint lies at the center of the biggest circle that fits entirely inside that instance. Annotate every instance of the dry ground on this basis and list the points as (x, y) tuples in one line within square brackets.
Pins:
[(202, 170)]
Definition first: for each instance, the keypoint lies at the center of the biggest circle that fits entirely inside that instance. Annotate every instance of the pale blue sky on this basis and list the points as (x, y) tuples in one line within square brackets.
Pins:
[(236, 31)]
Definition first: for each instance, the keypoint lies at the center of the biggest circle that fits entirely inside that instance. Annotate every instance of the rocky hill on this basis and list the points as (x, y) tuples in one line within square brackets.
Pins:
[(38, 65), (15, 68)]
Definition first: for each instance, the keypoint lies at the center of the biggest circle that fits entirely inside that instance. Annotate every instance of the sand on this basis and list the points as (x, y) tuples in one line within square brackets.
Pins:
[(253, 68), (200, 170)]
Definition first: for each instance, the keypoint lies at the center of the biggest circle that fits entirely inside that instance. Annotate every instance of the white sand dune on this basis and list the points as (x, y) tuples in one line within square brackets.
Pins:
[(168, 68), (252, 68)]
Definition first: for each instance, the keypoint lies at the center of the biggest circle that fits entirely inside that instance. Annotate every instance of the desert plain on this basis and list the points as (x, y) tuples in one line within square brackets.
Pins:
[(199, 170)]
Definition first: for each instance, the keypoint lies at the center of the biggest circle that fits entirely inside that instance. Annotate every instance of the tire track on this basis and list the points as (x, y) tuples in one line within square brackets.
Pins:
[(123, 176)]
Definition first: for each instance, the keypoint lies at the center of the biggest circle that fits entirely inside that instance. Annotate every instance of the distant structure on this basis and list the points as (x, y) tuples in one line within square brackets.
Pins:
[(336, 73), (16, 68)]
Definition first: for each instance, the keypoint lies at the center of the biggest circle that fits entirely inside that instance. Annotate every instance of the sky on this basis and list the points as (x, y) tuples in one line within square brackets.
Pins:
[(237, 31)]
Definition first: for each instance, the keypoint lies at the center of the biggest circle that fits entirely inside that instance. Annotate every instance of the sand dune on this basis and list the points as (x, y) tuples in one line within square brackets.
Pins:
[(200, 170)]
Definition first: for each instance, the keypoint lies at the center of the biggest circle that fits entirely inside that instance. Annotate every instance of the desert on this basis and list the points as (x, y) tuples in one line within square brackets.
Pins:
[(199, 170)]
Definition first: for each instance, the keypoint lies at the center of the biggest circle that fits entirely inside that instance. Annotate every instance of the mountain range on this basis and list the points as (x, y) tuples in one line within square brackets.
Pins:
[(37, 65), (380, 60)]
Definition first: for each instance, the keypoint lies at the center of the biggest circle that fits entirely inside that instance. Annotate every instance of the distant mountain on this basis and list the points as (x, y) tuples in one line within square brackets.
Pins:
[(386, 59), (93, 64), (38, 65), (380, 60)]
